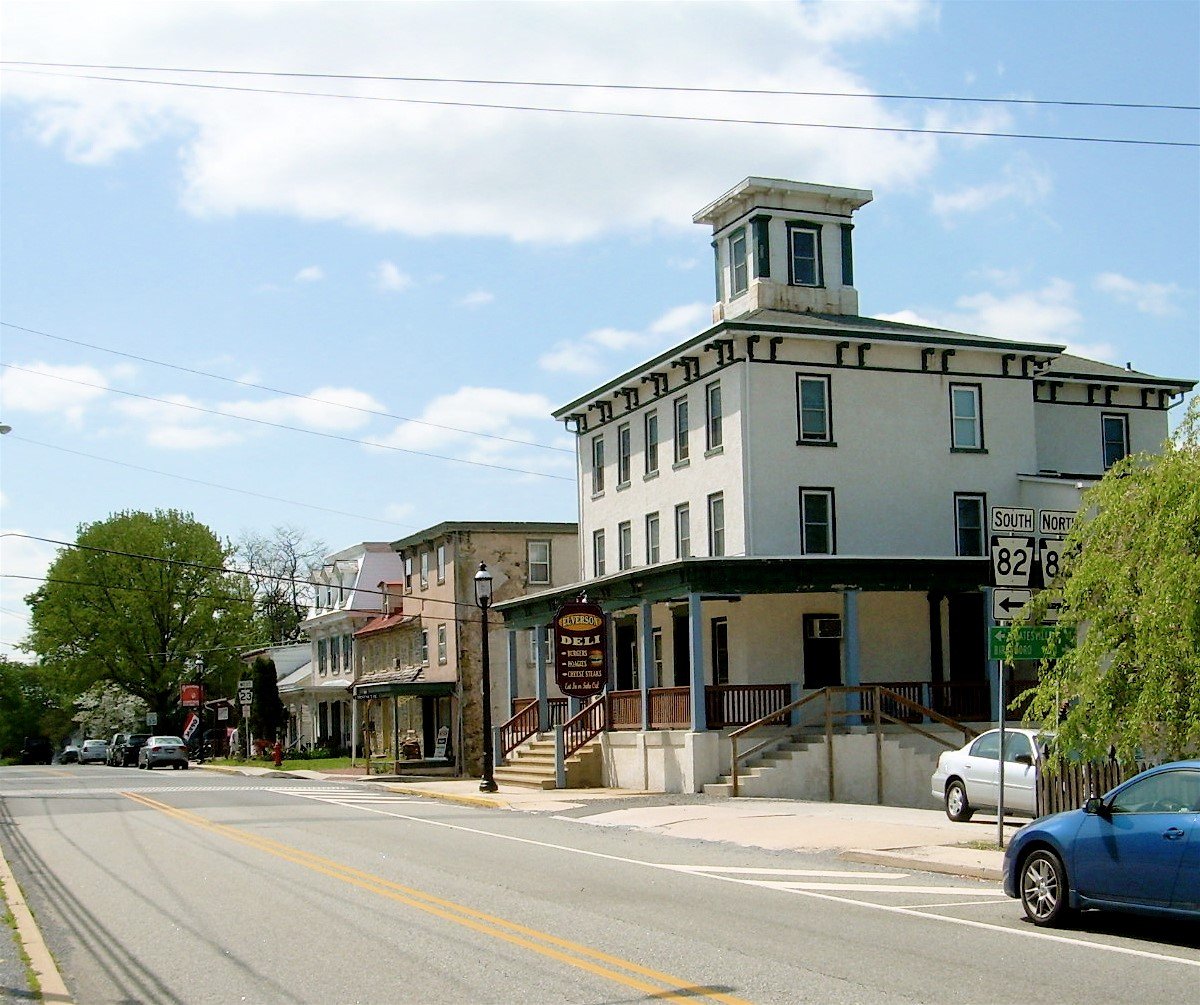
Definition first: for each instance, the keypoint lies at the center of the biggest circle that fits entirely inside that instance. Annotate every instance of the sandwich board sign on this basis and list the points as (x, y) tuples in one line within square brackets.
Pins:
[(580, 649)]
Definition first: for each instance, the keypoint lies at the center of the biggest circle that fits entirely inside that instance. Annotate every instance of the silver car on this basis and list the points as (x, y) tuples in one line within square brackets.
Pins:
[(163, 750), (93, 751), (968, 779)]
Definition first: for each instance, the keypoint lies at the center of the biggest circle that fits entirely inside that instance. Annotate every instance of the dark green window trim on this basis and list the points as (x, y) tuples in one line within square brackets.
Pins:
[(847, 255), (717, 266), (816, 443), (968, 450), (760, 229)]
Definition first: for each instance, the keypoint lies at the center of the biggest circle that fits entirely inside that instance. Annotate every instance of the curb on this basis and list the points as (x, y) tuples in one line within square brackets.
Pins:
[(492, 803), (900, 860), (53, 989)]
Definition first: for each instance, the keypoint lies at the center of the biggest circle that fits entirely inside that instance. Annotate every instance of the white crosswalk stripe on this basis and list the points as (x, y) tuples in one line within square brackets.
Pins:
[(116, 791)]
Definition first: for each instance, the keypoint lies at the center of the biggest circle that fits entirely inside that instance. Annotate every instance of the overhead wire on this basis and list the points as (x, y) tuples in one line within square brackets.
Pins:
[(593, 85), (606, 113), (289, 394), (294, 429)]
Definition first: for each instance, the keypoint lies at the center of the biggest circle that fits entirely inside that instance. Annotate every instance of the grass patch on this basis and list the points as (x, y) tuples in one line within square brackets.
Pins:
[(296, 764), (31, 978), (981, 845)]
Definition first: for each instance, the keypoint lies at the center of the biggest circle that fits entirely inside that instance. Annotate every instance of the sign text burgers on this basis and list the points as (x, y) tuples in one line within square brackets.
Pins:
[(580, 649)]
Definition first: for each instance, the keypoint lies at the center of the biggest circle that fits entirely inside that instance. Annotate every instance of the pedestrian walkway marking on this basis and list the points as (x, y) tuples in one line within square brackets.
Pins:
[(593, 961), (200, 787), (351, 798)]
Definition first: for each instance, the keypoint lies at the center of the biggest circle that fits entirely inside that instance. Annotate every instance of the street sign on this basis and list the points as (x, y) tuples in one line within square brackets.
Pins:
[(1012, 520), (151, 718), (190, 695), (580, 649), (1050, 555), (1053, 607), (1006, 603), (1033, 642), (245, 710), (245, 691), (1012, 560), (1055, 522)]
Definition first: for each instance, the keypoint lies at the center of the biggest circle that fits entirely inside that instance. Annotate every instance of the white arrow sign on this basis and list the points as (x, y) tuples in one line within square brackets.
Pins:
[(1007, 603)]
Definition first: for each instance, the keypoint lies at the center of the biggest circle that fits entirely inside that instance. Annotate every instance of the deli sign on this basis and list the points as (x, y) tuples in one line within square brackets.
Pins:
[(580, 649)]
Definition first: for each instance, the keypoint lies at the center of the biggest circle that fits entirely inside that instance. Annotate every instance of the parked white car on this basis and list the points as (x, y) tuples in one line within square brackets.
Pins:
[(93, 751), (968, 779)]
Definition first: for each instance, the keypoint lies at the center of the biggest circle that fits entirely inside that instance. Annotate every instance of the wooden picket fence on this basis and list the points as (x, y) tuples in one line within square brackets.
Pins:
[(1068, 787)]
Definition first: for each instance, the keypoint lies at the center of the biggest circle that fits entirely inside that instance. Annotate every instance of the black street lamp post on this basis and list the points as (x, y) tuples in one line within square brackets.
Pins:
[(483, 597)]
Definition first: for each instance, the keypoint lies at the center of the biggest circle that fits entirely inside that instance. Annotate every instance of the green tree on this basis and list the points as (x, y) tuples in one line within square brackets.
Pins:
[(134, 601), (267, 714), (30, 706), (1131, 603)]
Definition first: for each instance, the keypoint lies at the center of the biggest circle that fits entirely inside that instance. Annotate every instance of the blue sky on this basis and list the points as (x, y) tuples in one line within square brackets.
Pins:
[(474, 268)]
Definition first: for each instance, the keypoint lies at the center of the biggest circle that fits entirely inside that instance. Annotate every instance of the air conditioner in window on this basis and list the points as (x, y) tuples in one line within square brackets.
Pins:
[(825, 628)]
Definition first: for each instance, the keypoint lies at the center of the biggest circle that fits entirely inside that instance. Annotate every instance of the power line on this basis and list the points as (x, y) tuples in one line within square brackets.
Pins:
[(654, 116), (590, 85), (213, 485), (277, 390), (293, 429)]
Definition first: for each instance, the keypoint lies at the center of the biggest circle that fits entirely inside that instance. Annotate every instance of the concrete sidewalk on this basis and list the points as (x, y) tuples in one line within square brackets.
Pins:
[(887, 835)]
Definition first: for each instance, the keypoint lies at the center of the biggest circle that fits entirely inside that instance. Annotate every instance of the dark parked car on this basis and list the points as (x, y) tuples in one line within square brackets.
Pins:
[(128, 755), (1136, 848), (115, 743), (37, 750)]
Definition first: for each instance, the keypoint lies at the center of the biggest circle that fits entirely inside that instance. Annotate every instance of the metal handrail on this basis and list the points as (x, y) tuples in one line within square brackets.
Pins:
[(826, 694)]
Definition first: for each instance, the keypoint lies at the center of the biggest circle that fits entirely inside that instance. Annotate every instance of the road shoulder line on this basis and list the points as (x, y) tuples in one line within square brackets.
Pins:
[(30, 936)]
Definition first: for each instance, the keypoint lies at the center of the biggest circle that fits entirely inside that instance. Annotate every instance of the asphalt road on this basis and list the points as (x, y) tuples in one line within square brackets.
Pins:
[(171, 887)]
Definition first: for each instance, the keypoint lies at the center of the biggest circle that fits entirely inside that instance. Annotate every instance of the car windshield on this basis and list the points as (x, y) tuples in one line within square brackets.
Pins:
[(138, 738), (93, 743), (167, 740)]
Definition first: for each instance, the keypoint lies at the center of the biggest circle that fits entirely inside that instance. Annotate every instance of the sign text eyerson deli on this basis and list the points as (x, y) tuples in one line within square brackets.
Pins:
[(580, 649)]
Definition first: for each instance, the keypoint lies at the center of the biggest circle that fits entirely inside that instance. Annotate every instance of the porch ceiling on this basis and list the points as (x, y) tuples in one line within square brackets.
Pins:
[(421, 689), (727, 578)]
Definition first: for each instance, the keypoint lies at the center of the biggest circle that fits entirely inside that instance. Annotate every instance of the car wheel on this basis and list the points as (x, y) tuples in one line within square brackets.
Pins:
[(957, 807), (1045, 891), (184, 766)]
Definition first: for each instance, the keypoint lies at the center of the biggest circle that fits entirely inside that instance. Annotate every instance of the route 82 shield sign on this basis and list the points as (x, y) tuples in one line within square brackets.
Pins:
[(1012, 561)]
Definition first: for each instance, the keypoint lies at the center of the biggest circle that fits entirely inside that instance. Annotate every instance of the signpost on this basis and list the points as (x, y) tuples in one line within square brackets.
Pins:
[(245, 691), (580, 649)]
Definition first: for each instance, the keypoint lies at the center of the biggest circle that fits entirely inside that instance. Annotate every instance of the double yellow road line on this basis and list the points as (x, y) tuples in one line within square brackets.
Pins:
[(593, 961)]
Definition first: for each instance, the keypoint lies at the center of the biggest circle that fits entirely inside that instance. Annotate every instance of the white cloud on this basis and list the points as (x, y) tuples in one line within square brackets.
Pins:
[(309, 274), (587, 355), (20, 556), (417, 169), (1022, 181), (43, 388), (338, 409), (1049, 314), (1146, 297), (390, 279), (477, 298)]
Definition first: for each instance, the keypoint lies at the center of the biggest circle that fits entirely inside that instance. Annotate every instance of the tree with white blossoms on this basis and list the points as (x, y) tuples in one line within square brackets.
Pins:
[(105, 709), (1130, 685)]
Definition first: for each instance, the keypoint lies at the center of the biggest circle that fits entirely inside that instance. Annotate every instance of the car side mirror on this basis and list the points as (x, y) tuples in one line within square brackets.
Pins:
[(1095, 807), (1026, 759)]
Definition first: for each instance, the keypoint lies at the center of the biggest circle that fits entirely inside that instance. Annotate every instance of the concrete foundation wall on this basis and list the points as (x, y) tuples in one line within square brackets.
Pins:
[(662, 760)]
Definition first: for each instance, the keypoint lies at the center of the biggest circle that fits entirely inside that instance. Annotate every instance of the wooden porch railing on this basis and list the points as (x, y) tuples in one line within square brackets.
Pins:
[(524, 721), (879, 699), (589, 723), (670, 707), (728, 705), (624, 709)]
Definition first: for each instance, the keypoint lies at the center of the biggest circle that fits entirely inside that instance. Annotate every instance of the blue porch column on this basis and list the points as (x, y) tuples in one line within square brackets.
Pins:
[(646, 670), (853, 650), (541, 686), (696, 678), (513, 686)]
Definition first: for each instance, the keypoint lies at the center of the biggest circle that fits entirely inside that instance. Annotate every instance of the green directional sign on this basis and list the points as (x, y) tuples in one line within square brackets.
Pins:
[(1034, 642)]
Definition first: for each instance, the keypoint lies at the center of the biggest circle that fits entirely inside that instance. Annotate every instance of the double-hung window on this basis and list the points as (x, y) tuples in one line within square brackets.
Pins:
[(348, 653), (969, 509), (424, 645), (651, 442), (441, 563), (335, 655), (804, 256), (624, 545), (966, 417), (816, 522), (408, 572), (424, 570), (441, 629), (813, 410), (541, 634), (624, 450), (712, 425), (739, 263), (597, 464), (716, 524), (681, 430), (1115, 434), (537, 562), (653, 553), (683, 531), (322, 656), (597, 553)]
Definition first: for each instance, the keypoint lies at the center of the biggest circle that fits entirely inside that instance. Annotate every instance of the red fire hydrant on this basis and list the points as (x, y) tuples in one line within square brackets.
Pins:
[(277, 754)]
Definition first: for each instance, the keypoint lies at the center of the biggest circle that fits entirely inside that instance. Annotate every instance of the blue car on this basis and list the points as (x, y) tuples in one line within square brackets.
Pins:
[(1136, 848)]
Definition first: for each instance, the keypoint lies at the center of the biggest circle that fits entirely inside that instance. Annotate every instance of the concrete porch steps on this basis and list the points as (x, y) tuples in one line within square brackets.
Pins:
[(532, 765)]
